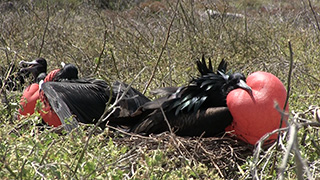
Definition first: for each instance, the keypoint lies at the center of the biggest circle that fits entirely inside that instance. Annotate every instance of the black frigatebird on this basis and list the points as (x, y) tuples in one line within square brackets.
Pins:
[(65, 96), (14, 79), (196, 109), (85, 100), (38, 68)]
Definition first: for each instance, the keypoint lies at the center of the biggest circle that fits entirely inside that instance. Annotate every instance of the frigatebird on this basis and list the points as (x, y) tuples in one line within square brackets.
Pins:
[(85, 100), (38, 68), (14, 79), (65, 96), (196, 109)]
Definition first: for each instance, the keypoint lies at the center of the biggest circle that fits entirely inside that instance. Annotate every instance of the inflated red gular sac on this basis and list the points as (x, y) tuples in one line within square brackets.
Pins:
[(255, 114), (32, 93), (38, 68)]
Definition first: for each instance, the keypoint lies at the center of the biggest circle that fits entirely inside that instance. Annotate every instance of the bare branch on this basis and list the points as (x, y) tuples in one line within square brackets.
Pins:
[(162, 49), (314, 14), (45, 29)]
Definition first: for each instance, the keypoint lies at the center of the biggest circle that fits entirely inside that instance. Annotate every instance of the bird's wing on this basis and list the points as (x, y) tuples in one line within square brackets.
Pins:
[(131, 101), (85, 99), (209, 122), (165, 91), (133, 118), (118, 88), (191, 98), (152, 122), (60, 107), (202, 92)]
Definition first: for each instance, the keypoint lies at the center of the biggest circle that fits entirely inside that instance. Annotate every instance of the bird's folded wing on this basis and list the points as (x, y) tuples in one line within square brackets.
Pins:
[(84, 100), (137, 98), (60, 107), (209, 122), (165, 91)]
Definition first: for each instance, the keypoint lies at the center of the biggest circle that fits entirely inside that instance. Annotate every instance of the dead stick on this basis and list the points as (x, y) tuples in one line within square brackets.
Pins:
[(162, 49)]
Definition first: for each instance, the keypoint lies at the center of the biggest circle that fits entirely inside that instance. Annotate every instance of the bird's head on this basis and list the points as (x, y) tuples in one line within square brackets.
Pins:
[(237, 80), (35, 67), (68, 71)]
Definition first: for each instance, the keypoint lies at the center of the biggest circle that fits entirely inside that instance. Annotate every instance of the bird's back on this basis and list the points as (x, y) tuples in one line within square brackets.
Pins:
[(191, 110)]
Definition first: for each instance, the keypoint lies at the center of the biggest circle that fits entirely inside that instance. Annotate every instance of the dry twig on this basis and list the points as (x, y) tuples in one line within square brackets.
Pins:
[(162, 49)]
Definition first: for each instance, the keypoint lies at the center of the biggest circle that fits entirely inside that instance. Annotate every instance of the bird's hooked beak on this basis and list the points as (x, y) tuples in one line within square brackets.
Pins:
[(23, 63), (28, 66), (243, 85)]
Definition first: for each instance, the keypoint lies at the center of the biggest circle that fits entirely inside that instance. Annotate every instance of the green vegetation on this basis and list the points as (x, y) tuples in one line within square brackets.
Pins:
[(118, 43)]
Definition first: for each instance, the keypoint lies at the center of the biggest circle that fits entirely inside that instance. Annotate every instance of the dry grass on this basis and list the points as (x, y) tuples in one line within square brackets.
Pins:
[(118, 44), (225, 155)]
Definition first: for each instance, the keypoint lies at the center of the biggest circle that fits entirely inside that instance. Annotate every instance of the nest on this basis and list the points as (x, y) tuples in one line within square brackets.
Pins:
[(225, 154)]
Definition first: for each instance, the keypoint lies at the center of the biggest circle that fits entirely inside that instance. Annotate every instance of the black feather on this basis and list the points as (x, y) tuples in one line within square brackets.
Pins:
[(223, 66), (86, 99), (193, 110), (69, 71)]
